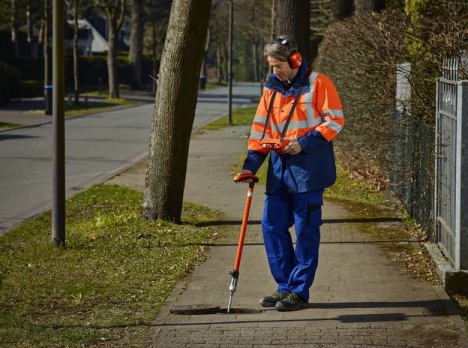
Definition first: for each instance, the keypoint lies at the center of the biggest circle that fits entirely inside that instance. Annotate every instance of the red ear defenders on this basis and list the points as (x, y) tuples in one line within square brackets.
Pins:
[(295, 58)]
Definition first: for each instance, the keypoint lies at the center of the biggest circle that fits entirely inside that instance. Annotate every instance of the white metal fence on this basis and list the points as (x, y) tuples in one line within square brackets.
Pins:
[(451, 161)]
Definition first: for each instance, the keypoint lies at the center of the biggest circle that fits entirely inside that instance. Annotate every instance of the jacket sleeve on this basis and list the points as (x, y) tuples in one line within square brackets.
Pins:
[(327, 104), (312, 141), (254, 160), (256, 154)]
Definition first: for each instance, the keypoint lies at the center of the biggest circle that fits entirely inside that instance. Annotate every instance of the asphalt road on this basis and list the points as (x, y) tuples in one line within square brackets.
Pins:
[(98, 146)]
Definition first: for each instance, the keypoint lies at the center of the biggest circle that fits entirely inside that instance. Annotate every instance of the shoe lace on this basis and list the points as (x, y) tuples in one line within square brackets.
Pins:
[(293, 297), (280, 295)]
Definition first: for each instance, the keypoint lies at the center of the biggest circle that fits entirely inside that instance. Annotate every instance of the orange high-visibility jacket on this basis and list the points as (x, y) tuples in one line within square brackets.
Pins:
[(316, 121)]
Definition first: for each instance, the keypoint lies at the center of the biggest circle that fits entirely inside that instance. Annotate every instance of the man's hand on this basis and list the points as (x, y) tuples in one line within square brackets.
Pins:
[(245, 176), (293, 148)]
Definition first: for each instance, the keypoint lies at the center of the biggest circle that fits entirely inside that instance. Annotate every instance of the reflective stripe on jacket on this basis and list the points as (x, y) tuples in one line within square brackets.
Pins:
[(317, 120)]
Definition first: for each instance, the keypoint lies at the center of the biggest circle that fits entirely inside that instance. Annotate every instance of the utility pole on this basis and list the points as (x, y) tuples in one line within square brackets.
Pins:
[(58, 84), (230, 74)]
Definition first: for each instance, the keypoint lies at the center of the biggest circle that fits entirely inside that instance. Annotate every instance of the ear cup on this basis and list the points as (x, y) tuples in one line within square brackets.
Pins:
[(295, 60)]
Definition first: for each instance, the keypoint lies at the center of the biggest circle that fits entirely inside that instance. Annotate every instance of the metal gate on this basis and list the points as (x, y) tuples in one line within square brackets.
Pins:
[(450, 193)]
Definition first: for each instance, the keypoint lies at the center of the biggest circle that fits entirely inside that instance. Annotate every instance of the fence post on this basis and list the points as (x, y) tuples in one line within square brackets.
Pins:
[(399, 160), (436, 238), (461, 261)]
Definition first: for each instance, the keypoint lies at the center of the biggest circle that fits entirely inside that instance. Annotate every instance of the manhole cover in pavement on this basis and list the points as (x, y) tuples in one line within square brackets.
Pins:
[(195, 309)]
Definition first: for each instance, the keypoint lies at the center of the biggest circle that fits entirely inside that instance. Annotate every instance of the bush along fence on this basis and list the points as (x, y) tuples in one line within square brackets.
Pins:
[(411, 165), (429, 163)]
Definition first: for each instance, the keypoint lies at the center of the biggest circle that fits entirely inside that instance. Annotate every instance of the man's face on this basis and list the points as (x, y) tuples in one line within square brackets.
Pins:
[(281, 69)]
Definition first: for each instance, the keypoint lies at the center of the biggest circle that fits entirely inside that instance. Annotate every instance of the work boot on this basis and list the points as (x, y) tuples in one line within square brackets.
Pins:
[(270, 301), (291, 302)]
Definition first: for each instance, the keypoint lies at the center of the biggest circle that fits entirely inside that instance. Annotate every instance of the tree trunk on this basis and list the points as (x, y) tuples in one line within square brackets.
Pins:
[(14, 28), (293, 19), (155, 61), (75, 54), (46, 50), (302, 28), (285, 17), (174, 111), (342, 8), (112, 64), (115, 14), (364, 6), (221, 62), (273, 20), (255, 60), (29, 27), (135, 54)]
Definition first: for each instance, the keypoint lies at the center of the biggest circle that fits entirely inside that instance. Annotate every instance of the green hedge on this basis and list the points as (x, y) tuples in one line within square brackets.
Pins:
[(360, 55), (31, 89), (10, 82)]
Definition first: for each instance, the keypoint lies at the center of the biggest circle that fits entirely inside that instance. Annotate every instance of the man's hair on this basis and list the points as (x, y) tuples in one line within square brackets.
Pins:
[(280, 48)]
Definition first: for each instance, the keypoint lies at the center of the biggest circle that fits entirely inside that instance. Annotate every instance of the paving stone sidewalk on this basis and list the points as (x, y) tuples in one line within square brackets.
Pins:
[(359, 299)]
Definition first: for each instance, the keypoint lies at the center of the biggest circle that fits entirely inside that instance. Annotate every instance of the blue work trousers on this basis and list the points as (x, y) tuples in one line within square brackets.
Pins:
[(293, 268)]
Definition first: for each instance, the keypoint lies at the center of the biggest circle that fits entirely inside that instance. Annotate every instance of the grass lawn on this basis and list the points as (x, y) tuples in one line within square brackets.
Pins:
[(8, 125), (95, 106), (108, 283), (240, 116)]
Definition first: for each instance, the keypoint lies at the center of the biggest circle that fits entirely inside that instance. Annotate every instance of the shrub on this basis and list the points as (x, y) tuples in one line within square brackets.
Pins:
[(31, 89), (9, 82), (360, 54), (386, 146)]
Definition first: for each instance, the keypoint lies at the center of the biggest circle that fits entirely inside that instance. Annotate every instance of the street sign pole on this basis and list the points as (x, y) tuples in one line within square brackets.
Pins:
[(230, 74), (58, 83)]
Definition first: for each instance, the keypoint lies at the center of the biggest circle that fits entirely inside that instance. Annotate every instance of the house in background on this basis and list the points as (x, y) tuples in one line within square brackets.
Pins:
[(92, 37), (86, 37), (99, 26)]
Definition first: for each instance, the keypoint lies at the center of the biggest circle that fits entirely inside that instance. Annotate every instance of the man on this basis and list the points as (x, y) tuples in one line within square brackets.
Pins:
[(298, 116)]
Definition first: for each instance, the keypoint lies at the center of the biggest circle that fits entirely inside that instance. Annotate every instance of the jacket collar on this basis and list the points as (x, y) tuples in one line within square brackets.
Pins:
[(299, 81)]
